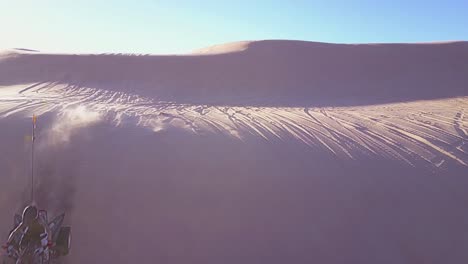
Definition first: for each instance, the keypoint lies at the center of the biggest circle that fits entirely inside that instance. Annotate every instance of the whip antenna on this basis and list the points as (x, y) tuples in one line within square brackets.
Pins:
[(34, 119)]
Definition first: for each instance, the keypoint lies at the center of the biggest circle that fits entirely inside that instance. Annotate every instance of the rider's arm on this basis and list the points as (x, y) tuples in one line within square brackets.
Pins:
[(49, 234), (15, 232)]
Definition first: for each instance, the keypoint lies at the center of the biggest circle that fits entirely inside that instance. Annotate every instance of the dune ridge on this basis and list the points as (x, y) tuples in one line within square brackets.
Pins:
[(285, 73)]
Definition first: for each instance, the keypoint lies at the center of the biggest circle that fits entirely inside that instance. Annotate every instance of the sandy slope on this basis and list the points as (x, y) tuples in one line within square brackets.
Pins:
[(250, 152)]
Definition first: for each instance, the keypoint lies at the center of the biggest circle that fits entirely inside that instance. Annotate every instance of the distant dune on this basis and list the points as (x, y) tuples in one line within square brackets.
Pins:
[(249, 152), (28, 50), (267, 72)]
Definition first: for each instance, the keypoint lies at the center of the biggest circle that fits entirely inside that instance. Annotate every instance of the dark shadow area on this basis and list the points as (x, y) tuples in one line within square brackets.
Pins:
[(268, 73)]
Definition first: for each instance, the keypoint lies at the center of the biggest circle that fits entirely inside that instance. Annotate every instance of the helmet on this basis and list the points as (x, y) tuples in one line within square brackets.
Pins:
[(30, 213)]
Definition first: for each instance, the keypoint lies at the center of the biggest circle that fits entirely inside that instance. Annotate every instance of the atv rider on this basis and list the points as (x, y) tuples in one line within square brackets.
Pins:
[(31, 227)]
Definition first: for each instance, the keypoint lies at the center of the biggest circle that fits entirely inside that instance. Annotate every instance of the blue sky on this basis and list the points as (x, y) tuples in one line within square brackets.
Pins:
[(143, 26)]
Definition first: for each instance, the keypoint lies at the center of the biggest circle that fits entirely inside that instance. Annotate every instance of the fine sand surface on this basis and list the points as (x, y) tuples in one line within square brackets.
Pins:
[(248, 152)]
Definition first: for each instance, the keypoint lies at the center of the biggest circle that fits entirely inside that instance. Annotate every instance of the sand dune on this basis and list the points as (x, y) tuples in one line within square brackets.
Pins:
[(265, 72), (249, 152), (430, 132)]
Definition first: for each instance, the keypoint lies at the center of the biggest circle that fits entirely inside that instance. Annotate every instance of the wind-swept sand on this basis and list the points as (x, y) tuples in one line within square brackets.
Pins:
[(249, 152)]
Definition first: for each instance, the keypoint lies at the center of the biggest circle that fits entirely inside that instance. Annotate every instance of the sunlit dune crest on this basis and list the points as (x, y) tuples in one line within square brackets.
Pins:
[(431, 131)]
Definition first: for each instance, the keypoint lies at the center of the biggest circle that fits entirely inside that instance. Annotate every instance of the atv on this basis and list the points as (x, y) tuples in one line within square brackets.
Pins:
[(40, 250)]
